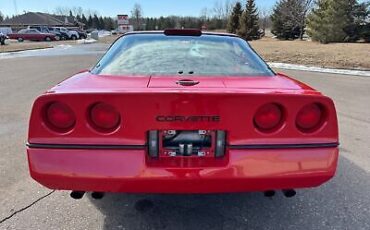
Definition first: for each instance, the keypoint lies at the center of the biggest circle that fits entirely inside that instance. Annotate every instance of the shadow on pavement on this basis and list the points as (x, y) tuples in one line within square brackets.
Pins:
[(341, 204)]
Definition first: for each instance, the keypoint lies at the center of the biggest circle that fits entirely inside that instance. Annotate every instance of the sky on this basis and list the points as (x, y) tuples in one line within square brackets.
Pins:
[(151, 8)]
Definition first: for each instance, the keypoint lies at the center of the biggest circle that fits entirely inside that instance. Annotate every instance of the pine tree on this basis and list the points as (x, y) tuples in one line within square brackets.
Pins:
[(101, 23), (249, 27), (84, 20), (233, 24), (330, 20), (288, 19), (90, 22), (1, 17)]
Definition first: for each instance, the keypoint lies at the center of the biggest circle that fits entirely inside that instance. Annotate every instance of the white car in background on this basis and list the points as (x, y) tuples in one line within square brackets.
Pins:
[(73, 35)]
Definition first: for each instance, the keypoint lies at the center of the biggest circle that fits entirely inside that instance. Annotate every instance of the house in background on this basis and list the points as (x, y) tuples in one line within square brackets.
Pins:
[(40, 19)]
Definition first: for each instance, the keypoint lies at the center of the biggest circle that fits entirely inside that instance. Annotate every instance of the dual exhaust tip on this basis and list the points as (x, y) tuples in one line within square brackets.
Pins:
[(77, 195), (289, 193)]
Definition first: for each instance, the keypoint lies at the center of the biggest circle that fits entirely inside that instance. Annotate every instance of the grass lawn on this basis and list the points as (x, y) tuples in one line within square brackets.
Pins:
[(336, 55)]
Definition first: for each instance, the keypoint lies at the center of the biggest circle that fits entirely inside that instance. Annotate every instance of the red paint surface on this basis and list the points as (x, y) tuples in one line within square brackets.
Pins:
[(32, 36), (131, 171), (140, 99)]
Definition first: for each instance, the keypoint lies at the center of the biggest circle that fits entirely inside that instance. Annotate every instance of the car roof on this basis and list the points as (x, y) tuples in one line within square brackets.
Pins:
[(163, 32)]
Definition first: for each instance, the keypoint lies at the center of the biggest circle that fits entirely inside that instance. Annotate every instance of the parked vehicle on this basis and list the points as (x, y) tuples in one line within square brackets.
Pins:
[(182, 111), (72, 35), (82, 34), (6, 30), (32, 35), (3, 37), (63, 35), (45, 29)]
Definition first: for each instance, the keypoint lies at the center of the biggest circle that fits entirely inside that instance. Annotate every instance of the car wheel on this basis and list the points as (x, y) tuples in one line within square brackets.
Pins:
[(48, 39), (20, 39), (57, 38), (73, 37)]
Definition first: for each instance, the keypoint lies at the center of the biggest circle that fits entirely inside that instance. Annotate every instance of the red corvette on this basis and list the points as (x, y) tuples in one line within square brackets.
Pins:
[(182, 111)]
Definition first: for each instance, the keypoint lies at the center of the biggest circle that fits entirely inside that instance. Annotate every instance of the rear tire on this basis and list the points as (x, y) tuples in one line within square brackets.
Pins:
[(74, 37), (48, 39), (20, 39)]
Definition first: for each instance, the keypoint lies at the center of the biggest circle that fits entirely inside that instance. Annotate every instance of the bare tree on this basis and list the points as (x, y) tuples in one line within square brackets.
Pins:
[(204, 15), (222, 9), (218, 10), (61, 10), (137, 15), (264, 16), (228, 6), (77, 11)]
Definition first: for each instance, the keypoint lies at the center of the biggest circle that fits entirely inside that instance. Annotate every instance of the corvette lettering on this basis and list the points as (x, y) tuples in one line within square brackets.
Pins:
[(188, 118)]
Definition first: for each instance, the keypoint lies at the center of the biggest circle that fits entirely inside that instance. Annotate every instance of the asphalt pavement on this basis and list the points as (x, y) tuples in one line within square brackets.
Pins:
[(343, 203)]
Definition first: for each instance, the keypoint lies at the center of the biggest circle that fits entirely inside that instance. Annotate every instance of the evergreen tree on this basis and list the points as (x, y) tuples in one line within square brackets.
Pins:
[(95, 22), (330, 20), (90, 22), (101, 23), (233, 24), (84, 20), (249, 26), (289, 19), (1, 17)]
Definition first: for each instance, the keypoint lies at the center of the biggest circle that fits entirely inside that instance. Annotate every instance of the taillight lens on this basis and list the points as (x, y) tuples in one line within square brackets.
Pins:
[(310, 117), (60, 117), (104, 117), (268, 118)]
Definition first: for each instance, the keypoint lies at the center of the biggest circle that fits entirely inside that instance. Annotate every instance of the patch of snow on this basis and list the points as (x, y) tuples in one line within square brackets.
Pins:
[(104, 33), (86, 41), (363, 73), (63, 46)]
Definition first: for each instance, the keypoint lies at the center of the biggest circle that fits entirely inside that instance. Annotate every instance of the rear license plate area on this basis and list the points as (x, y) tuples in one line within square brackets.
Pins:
[(187, 143)]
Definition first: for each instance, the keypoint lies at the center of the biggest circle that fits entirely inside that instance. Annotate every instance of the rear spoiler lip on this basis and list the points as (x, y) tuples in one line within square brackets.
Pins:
[(140, 147)]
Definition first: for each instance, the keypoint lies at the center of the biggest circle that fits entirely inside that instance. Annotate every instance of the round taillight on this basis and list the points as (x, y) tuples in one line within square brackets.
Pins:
[(104, 117), (309, 118), (268, 118), (60, 117)]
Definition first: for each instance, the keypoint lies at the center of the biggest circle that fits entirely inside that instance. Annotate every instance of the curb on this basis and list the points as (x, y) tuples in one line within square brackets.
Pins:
[(354, 72)]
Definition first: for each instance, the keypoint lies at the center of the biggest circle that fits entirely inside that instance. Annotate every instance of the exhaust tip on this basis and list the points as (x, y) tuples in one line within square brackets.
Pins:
[(289, 193), (269, 193), (77, 195), (97, 195)]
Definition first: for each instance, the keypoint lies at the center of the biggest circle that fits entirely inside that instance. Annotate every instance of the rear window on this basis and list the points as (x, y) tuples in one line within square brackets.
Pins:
[(158, 54)]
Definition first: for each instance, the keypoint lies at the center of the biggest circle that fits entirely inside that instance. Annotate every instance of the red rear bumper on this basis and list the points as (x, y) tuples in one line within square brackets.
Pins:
[(131, 171)]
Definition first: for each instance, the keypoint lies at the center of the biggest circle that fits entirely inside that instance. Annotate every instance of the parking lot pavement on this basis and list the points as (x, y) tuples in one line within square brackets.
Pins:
[(343, 203)]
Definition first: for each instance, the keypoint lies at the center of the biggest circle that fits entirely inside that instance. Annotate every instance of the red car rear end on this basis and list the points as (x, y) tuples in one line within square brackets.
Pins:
[(182, 134)]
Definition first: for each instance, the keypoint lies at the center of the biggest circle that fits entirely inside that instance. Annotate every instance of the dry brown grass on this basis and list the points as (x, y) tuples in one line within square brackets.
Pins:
[(337, 55), (14, 47)]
